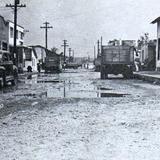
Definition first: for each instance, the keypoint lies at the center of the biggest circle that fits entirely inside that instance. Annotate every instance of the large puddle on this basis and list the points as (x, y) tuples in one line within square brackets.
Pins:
[(62, 86)]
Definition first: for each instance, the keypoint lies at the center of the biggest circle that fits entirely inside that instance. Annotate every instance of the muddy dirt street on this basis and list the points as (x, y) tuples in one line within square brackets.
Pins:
[(77, 116)]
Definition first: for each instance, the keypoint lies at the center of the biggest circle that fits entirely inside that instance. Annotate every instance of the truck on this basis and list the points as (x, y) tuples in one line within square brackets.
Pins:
[(8, 71), (117, 60), (52, 64)]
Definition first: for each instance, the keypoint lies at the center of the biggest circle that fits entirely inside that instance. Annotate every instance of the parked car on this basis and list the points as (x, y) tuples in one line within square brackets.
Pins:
[(8, 71)]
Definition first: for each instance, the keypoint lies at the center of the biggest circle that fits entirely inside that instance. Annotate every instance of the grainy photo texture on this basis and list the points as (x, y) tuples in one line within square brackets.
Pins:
[(79, 80)]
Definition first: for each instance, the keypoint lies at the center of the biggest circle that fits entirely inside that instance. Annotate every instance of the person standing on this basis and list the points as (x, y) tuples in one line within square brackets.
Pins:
[(39, 67)]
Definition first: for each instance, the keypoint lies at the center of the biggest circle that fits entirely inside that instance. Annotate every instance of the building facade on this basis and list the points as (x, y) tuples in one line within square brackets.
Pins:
[(157, 21), (19, 34), (3, 34), (40, 52), (26, 57), (148, 55)]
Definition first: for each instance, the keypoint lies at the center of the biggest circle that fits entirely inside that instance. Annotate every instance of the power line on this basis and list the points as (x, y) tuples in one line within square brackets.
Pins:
[(46, 27)]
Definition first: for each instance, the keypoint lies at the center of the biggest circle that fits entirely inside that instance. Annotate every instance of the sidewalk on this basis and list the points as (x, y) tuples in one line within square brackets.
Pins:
[(150, 76)]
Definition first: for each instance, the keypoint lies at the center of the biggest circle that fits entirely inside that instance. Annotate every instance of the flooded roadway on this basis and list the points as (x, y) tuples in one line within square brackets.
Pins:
[(71, 84), (77, 116)]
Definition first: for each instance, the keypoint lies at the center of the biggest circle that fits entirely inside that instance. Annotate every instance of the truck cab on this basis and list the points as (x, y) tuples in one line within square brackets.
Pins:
[(8, 71)]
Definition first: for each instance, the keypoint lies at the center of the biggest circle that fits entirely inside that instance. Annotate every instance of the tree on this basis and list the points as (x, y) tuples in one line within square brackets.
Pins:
[(144, 39), (54, 49)]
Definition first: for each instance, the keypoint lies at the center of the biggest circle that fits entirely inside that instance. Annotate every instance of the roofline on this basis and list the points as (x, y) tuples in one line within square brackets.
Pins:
[(13, 23), (156, 20), (38, 46), (5, 22)]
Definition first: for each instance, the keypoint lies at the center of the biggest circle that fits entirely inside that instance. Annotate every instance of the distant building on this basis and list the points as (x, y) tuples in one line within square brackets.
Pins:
[(128, 42), (148, 55), (40, 51), (30, 59), (157, 20), (19, 34), (3, 34), (116, 42), (26, 57)]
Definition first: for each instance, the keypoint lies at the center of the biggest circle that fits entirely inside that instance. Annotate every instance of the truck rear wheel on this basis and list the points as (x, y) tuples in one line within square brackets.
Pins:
[(14, 81), (4, 79), (104, 75), (128, 73)]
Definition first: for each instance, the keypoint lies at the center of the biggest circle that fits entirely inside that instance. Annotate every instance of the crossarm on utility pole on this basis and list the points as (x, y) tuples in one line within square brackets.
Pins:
[(46, 27)]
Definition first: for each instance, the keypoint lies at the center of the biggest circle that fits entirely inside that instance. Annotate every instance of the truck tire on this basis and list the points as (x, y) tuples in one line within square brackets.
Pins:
[(104, 75), (4, 79), (15, 74), (1, 83), (128, 73), (14, 81)]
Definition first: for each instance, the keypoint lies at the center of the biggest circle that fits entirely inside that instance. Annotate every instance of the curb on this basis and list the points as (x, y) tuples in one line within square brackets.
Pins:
[(147, 78)]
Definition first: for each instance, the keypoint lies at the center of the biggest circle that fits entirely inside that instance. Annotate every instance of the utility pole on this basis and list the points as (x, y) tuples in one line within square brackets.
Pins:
[(15, 7), (73, 55), (98, 46), (94, 53), (70, 50), (46, 27), (101, 44), (65, 45)]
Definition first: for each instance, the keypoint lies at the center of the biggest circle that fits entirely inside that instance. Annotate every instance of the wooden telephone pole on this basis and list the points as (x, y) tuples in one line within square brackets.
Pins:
[(15, 7), (98, 48), (46, 27), (70, 50), (101, 44), (65, 45), (94, 53)]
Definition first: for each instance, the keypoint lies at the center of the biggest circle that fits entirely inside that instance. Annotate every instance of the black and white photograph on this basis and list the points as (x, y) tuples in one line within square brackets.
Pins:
[(79, 80)]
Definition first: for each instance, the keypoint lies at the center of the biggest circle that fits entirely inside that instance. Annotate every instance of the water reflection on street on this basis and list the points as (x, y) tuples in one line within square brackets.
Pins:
[(71, 84)]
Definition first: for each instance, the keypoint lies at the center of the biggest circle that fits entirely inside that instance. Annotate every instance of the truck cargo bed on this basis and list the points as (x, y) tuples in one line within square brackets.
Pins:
[(117, 55)]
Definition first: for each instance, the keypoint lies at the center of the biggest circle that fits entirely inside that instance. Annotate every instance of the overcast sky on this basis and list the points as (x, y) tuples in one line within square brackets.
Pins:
[(82, 22)]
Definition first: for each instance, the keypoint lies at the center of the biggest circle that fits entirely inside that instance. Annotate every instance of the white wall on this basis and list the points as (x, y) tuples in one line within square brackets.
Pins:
[(19, 29), (41, 53), (32, 63)]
